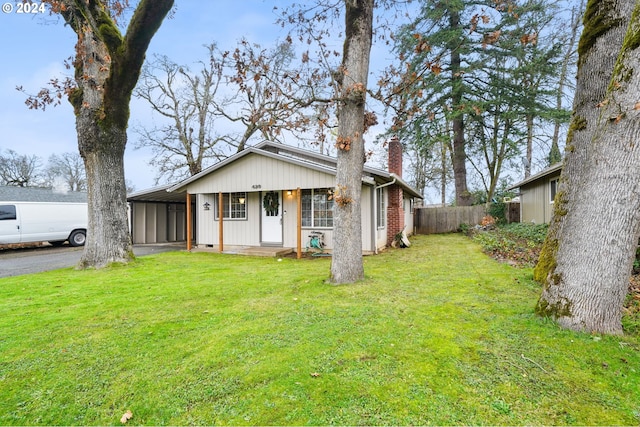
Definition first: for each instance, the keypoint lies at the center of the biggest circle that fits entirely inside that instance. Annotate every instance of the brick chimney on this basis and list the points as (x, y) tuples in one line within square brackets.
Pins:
[(395, 156), (395, 209)]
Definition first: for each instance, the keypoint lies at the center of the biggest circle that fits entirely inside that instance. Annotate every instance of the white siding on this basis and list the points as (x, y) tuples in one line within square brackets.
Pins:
[(138, 222), (259, 173), (243, 232), (290, 221), (366, 204), (408, 215), (255, 174), (381, 232)]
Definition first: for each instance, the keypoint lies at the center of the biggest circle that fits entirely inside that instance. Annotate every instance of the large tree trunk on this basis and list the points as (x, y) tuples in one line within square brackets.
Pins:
[(108, 240), (107, 69), (588, 255), (597, 55), (347, 265), (463, 197)]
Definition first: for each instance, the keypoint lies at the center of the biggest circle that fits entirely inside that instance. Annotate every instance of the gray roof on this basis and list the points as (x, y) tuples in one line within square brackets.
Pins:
[(548, 171), (37, 194)]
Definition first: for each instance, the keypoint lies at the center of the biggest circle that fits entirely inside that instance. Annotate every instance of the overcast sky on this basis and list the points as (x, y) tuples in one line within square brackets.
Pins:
[(34, 47)]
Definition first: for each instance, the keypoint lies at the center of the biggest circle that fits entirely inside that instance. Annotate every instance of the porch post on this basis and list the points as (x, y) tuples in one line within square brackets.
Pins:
[(188, 222), (299, 222), (220, 227)]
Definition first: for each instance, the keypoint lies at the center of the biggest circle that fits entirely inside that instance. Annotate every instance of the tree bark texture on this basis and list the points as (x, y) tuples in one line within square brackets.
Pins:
[(599, 46), (347, 265), (589, 275), (107, 69)]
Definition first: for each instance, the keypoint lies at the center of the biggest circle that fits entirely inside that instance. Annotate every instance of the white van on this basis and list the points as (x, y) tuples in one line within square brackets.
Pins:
[(53, 222)]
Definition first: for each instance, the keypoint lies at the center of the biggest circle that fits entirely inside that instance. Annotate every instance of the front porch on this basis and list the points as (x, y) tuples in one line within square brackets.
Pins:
[(265, 251)]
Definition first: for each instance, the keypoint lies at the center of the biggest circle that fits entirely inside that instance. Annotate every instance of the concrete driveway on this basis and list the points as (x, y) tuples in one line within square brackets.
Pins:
[(15, 262)]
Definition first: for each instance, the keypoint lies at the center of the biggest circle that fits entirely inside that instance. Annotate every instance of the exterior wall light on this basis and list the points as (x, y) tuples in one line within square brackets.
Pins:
[(206, 206)]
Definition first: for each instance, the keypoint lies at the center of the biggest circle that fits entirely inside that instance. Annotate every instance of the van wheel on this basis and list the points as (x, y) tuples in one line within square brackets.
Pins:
[(77, 238)]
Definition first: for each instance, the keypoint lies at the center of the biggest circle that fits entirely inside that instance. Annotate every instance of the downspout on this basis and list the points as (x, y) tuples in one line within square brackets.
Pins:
[(375, 212)]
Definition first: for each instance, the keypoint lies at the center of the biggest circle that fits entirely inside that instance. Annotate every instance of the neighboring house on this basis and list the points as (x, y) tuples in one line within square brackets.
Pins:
[(37, 194), (537, 193), (259, 188)]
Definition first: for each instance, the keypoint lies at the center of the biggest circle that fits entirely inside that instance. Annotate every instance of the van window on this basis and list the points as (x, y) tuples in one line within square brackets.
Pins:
[(7, 212)]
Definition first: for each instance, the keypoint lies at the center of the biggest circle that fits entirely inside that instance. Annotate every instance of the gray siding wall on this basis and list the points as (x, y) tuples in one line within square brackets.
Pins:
[(535, 200), (158, 222)]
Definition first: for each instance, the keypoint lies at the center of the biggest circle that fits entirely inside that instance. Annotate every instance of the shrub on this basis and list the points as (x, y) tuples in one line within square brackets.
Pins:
[(518, 243), (465, 228)]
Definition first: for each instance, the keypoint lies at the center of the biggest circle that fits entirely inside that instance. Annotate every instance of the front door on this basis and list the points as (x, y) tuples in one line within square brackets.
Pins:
[(272, 218)]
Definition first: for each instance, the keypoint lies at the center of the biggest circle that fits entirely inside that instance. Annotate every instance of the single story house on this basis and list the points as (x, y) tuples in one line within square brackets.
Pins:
[(537, 193), (273, 195)]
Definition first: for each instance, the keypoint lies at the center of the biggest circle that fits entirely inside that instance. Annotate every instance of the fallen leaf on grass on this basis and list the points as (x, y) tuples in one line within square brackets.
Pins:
[(315, 374), (126, 417)]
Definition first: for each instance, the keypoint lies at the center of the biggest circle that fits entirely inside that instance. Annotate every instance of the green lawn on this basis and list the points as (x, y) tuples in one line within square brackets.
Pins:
[(437, 334)]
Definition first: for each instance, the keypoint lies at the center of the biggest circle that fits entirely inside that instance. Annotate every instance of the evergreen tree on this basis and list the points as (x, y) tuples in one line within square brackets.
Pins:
[(485, 71)]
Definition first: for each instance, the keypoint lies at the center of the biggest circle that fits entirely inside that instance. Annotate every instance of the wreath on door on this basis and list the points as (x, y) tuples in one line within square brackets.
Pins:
[(271, 203)]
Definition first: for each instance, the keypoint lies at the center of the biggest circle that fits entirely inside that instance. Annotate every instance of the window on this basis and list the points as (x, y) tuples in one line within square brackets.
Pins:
[(381, 213), (234, 206), (317, 208), (553, 188), (7, 212)]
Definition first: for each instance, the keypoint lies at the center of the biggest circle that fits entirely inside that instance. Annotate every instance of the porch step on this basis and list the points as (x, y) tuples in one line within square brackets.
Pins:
[(246, 250), (262, 251)]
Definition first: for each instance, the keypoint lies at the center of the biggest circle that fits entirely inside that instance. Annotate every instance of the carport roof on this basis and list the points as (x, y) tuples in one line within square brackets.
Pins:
[(158, 195)]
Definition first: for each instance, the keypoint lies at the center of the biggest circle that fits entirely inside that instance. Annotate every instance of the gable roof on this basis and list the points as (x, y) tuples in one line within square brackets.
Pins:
[(301, 157), (37, 194), (548, 171)]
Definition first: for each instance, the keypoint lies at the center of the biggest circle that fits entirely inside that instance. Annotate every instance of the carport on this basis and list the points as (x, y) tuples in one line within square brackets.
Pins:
[(157, 216)]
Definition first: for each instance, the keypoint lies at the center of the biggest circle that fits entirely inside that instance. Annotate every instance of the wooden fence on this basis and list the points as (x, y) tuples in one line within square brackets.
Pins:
[(446, 220)]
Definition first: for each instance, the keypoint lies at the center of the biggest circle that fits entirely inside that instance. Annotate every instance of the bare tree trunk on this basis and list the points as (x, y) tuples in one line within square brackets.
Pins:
[(587, 278), (347, 265), (527, 166), (443, 174), (576, 15), (107, 69)]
